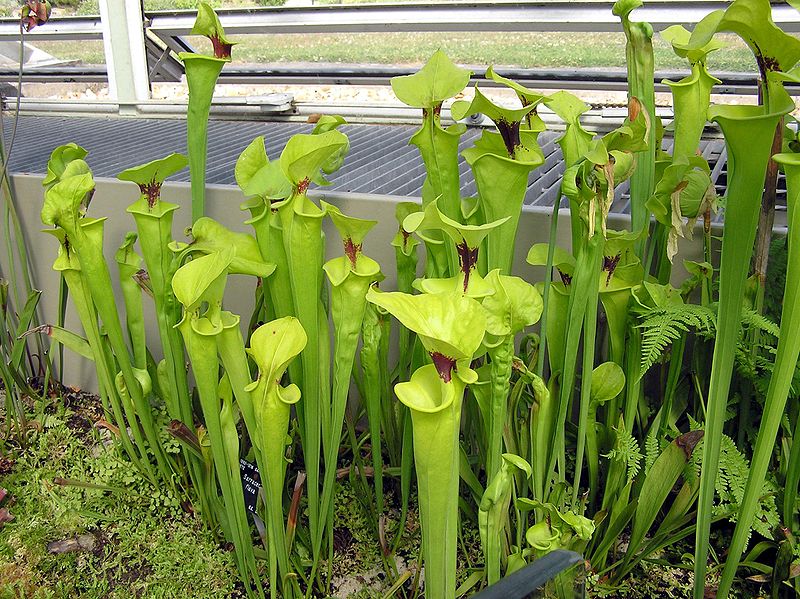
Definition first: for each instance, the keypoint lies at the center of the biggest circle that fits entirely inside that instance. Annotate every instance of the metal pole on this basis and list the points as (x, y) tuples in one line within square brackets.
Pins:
[(126, 58)]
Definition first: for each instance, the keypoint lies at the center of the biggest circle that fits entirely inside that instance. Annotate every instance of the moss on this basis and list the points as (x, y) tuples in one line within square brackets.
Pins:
[(146, 546), (143, 544)]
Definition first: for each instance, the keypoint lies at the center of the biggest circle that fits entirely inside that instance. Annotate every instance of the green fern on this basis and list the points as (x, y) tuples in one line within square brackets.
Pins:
[(692, 472), (664, 324), (753, 320), (732, 474), (652, 448), (734, 469), (626, 450), (755, 362)]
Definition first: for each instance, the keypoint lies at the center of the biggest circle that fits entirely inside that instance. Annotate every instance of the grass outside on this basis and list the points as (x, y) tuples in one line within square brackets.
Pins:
[(520, 50), (10, 8), (88, 52)]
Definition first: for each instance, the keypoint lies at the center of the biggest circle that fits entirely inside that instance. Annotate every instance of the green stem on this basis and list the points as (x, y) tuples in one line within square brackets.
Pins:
[(347, 310), (493, 513), (615, 305), (95, 274), (406, 474), (500, 374), (641, 85), (406, 267), (633, 387), (592, 452), (551, 248), (675, 367), (154, 227), (155, 234), (587, 271), (272, 346), (88, 318), (269, 236), (792, 479), (439, 150), (589, 332), (373, 393), (542, 421), (128, 265), (234, 360), (267, 228), (202, 351)]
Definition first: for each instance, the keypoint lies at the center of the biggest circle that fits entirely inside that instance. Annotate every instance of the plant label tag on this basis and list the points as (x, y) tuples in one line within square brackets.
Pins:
[(251, 484)]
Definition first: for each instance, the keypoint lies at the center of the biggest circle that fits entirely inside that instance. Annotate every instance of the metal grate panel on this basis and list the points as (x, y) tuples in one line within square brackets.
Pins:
[(380, 160)]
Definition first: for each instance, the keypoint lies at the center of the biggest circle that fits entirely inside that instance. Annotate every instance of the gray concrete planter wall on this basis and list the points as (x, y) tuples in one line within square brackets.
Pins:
[(112, 198)]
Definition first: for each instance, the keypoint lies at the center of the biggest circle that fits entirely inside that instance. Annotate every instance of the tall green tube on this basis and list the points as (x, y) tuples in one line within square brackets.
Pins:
[(748, 131), (641, 85), (436, 419), (301, 162), (434, 396), (350, 276), (779, 384), (201, 77), (273, 346)]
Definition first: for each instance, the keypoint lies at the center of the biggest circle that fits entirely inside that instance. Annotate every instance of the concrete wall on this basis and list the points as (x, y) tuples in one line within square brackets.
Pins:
[(222, 203)]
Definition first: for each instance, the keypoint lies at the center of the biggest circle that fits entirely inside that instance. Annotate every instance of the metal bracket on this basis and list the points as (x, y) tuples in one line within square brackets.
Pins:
[(161, 64)]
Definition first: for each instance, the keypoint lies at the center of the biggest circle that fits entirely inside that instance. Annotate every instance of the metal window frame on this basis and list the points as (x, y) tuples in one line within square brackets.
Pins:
[(129, 35), (552, 15), (126, 57)]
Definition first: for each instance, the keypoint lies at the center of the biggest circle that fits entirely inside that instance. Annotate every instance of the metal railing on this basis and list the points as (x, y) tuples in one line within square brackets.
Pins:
[(551, 16), (58, 28), (554, 15), (164, 33)]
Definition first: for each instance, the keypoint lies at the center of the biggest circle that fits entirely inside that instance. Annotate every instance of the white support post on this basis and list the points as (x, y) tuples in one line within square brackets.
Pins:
[(126, 58)]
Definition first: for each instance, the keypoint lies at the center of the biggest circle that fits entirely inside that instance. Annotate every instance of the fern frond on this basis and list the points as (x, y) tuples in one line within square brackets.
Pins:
[(652, 448), (734, 468), (754, 361), (753, 320), (663, 325), (626, 450)]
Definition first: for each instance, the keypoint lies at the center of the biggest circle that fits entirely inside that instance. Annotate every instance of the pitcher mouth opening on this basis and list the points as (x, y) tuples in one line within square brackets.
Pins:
[(467, 259), (151, 191), (352, 250), (444, 366), (509, 131), (221, 49)]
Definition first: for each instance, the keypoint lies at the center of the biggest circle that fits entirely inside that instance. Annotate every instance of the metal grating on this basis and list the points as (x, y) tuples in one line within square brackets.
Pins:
[(380, 161)]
